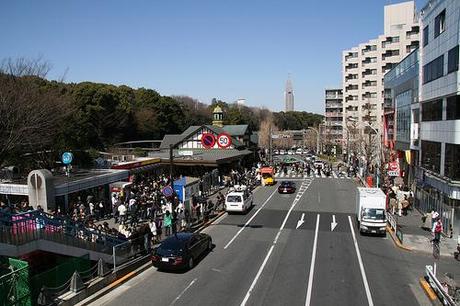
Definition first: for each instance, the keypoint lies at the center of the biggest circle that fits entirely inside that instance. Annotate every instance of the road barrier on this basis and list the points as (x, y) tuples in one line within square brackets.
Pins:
[(441, 291)]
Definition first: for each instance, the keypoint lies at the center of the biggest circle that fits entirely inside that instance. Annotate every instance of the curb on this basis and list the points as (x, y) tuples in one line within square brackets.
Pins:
[(431, 295), (210, 221), (396, 240), (134, 273)]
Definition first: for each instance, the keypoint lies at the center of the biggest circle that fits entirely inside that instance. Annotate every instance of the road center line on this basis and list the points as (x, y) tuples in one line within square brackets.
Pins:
[(249, 221), (312, 264), (254, 282), (183, 291), (361, 266)]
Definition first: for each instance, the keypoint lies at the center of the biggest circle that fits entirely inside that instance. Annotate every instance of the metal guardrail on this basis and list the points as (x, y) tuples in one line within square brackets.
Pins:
[(391, 221), (443, 296), (19, 229)]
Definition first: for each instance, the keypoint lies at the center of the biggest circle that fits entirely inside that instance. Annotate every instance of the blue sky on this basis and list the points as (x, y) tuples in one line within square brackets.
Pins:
[(201, 48)]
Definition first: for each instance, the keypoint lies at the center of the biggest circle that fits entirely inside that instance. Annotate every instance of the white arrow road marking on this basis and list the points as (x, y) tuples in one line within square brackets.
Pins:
[(259, 272), (333, 223), (301, 221)]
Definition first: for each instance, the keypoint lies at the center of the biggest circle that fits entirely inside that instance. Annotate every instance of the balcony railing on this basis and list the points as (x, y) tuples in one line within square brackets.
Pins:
[(334, 114), (334, 96)]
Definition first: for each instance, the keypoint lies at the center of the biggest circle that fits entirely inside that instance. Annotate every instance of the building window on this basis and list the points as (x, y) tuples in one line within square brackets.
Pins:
[(452, 60), (431, 155), (453, 108), (452, 162), (440, 23), (433, 70), (425, 36), (432, 111)]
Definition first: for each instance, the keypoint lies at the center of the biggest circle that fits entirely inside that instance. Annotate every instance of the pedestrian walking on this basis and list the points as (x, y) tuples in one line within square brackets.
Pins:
[(167, 223)]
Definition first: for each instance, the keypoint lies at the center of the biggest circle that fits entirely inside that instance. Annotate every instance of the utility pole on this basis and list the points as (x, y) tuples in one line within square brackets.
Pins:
[(270, 145)]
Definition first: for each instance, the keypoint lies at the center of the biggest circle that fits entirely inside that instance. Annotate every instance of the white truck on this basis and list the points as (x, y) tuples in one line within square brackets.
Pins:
[(370, 211)]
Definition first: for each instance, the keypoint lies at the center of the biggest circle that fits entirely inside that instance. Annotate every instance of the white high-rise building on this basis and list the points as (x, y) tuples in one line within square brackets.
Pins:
[(364, 66)]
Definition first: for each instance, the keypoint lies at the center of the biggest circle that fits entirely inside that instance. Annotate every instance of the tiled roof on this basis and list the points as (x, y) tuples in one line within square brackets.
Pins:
[(203, 155), (174, 139), (236, 130)]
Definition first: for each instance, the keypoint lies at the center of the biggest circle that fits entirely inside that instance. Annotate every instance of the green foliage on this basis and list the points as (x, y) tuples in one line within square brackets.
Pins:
[(103, 114), (296, 120)]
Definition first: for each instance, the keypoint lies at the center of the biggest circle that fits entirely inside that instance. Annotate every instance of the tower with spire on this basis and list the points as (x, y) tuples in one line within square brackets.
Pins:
[(289, 96)]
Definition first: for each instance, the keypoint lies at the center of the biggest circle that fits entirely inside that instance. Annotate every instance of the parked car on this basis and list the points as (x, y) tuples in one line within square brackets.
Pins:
[(299, 151), (181, 251), (287, 187), (282, 152)]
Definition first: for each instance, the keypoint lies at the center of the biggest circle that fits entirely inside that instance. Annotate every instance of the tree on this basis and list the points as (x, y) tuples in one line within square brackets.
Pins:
[(266, 125), (30, 118)]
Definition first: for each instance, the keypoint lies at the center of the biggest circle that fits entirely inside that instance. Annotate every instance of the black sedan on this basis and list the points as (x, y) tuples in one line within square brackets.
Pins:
[(286, 187), (181, 251)]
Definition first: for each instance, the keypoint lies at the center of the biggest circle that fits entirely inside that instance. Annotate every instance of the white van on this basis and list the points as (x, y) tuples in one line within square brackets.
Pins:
[(238, 201)]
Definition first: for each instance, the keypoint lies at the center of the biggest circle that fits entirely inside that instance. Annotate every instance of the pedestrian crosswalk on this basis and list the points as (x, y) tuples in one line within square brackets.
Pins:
[(313, 174)]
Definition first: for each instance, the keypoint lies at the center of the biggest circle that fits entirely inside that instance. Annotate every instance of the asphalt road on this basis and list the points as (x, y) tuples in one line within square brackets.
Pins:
[(262, 259)]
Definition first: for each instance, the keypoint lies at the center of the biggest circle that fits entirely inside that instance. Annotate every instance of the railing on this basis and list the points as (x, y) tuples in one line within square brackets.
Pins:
[(19, 229), (446, 299)]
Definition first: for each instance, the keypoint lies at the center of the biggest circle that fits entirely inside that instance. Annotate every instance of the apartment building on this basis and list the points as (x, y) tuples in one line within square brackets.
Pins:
[(438, 178), (364, 66), (333, 116)]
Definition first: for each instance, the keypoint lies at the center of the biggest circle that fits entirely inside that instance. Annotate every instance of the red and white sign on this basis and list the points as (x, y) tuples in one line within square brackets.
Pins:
[(224, 140), (208, 140), (393, 168)]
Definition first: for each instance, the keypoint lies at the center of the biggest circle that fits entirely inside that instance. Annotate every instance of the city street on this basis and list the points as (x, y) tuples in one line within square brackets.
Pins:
[(262, 259)]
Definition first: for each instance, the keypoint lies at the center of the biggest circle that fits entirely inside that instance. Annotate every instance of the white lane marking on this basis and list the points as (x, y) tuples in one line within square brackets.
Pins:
[(183, 291), (361, 266), (259, 272), (253, 216), (312, 264), (248, 294)]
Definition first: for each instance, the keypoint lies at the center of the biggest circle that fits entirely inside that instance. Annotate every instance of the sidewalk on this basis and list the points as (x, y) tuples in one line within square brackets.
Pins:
[(417, 239), (193, 226)]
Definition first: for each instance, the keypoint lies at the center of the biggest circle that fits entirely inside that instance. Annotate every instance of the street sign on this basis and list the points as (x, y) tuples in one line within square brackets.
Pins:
[(224, 140), (67, 158), (393, 168), (208, 140), (167, 191)]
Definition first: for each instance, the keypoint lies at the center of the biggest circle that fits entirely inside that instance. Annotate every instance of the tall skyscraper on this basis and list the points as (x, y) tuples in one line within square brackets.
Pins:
[(289, 96)]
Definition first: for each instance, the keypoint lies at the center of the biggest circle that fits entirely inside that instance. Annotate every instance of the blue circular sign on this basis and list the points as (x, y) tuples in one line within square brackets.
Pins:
[(67, 158), (167, 191)]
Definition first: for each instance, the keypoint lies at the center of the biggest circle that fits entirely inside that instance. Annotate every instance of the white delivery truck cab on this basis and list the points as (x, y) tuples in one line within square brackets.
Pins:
[(370, 210)]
